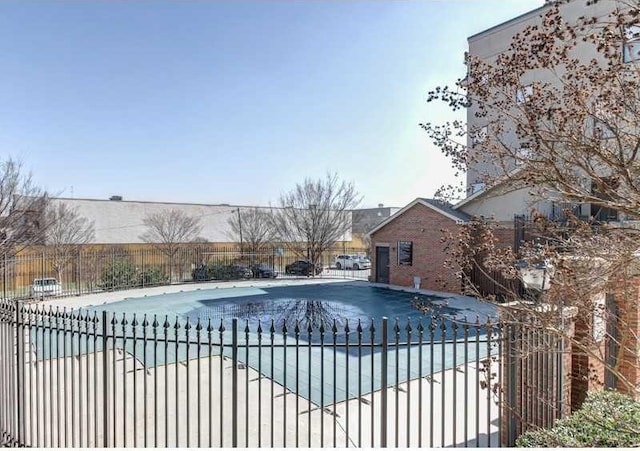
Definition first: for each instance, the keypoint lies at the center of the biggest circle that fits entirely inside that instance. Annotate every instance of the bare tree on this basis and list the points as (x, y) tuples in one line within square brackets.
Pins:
[(67, 232), (558, 116), (571, 131), (166, 230), (366, 222), (252, 228), (22, 207), (315, 215)]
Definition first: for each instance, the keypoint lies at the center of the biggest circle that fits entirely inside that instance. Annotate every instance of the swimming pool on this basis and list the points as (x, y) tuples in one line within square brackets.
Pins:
[(285, 304), (348, 315)]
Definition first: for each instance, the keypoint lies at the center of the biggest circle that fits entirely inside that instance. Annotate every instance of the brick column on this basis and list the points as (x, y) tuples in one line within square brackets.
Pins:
[(625, 297)]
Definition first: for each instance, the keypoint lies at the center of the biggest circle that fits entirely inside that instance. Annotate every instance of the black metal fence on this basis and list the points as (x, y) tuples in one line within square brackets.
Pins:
[(492, 284), (90, 378), (88, 271), (537, 382)]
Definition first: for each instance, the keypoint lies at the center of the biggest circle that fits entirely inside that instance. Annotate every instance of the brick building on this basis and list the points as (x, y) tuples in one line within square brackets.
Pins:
[(409, 245)]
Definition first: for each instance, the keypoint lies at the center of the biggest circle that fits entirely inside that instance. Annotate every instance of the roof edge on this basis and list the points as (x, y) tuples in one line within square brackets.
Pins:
[(418, 200), (506, 22)]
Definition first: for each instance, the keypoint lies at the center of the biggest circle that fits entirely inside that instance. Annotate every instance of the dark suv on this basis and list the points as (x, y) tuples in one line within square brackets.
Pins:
[(302, 268), (263, 271)]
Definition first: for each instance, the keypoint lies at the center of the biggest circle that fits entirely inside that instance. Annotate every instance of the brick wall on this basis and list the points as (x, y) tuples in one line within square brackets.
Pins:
[(626, 294), (423, 226), (589, 367), (587, 372)]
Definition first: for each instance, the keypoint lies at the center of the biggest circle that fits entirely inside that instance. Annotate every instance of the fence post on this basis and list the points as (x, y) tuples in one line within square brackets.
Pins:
[(234, 379), (20, 399), (384, 367), (105, 381), (42, 275), (4, 278), (113, 269), (79, 282), (512, 387)]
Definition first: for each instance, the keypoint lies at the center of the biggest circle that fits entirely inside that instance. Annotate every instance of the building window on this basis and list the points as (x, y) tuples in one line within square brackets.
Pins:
[(479, 135), (524, 94), (631, 47), (523, 153), (405, 253), (602, 130), (477, 187)]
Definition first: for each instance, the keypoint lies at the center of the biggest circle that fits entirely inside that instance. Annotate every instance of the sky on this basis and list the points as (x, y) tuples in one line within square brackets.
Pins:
[(232, 102)]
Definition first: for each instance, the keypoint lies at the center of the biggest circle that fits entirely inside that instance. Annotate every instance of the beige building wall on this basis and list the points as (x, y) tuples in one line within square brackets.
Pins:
[(488, 45), (502, 206), (122, 221)]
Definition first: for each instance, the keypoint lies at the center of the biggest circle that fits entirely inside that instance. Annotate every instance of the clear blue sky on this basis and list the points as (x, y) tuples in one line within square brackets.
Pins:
[(231, 102)]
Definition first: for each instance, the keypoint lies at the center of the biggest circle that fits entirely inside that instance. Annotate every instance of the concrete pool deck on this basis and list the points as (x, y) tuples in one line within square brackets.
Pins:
[(438, 421)]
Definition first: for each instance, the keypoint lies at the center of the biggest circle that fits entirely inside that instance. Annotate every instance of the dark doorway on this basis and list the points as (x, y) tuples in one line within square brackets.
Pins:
[(382, 264)]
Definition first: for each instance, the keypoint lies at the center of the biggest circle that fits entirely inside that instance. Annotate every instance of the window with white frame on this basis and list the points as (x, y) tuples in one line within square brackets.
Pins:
[(477, 187), (524, 94), (602, 117), (631, 47), (601, 130), (522, 154), (479, 135)]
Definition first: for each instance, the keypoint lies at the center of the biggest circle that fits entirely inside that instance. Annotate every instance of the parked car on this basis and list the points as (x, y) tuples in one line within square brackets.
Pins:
[(218, 271), (263, 271), (302, 268), (238, 271), (355, 262), (45, 287)]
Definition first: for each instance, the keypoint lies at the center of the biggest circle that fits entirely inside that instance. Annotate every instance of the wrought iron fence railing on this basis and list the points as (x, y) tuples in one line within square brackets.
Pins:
[(92, 378), (88, 270)]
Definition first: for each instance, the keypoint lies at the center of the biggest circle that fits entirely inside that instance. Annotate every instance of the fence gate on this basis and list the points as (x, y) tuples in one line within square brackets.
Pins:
[(300, 379)]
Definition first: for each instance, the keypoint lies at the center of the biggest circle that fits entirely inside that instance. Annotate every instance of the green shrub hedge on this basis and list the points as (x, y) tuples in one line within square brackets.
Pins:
[(606, 419), (153, 276), (122, 273), (119, 274)]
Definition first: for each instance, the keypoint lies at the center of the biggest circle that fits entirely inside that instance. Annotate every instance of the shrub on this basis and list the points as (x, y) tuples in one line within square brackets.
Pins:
[(118, 274), (153, 275), (201, 273), (221, 272), (606, 419)]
